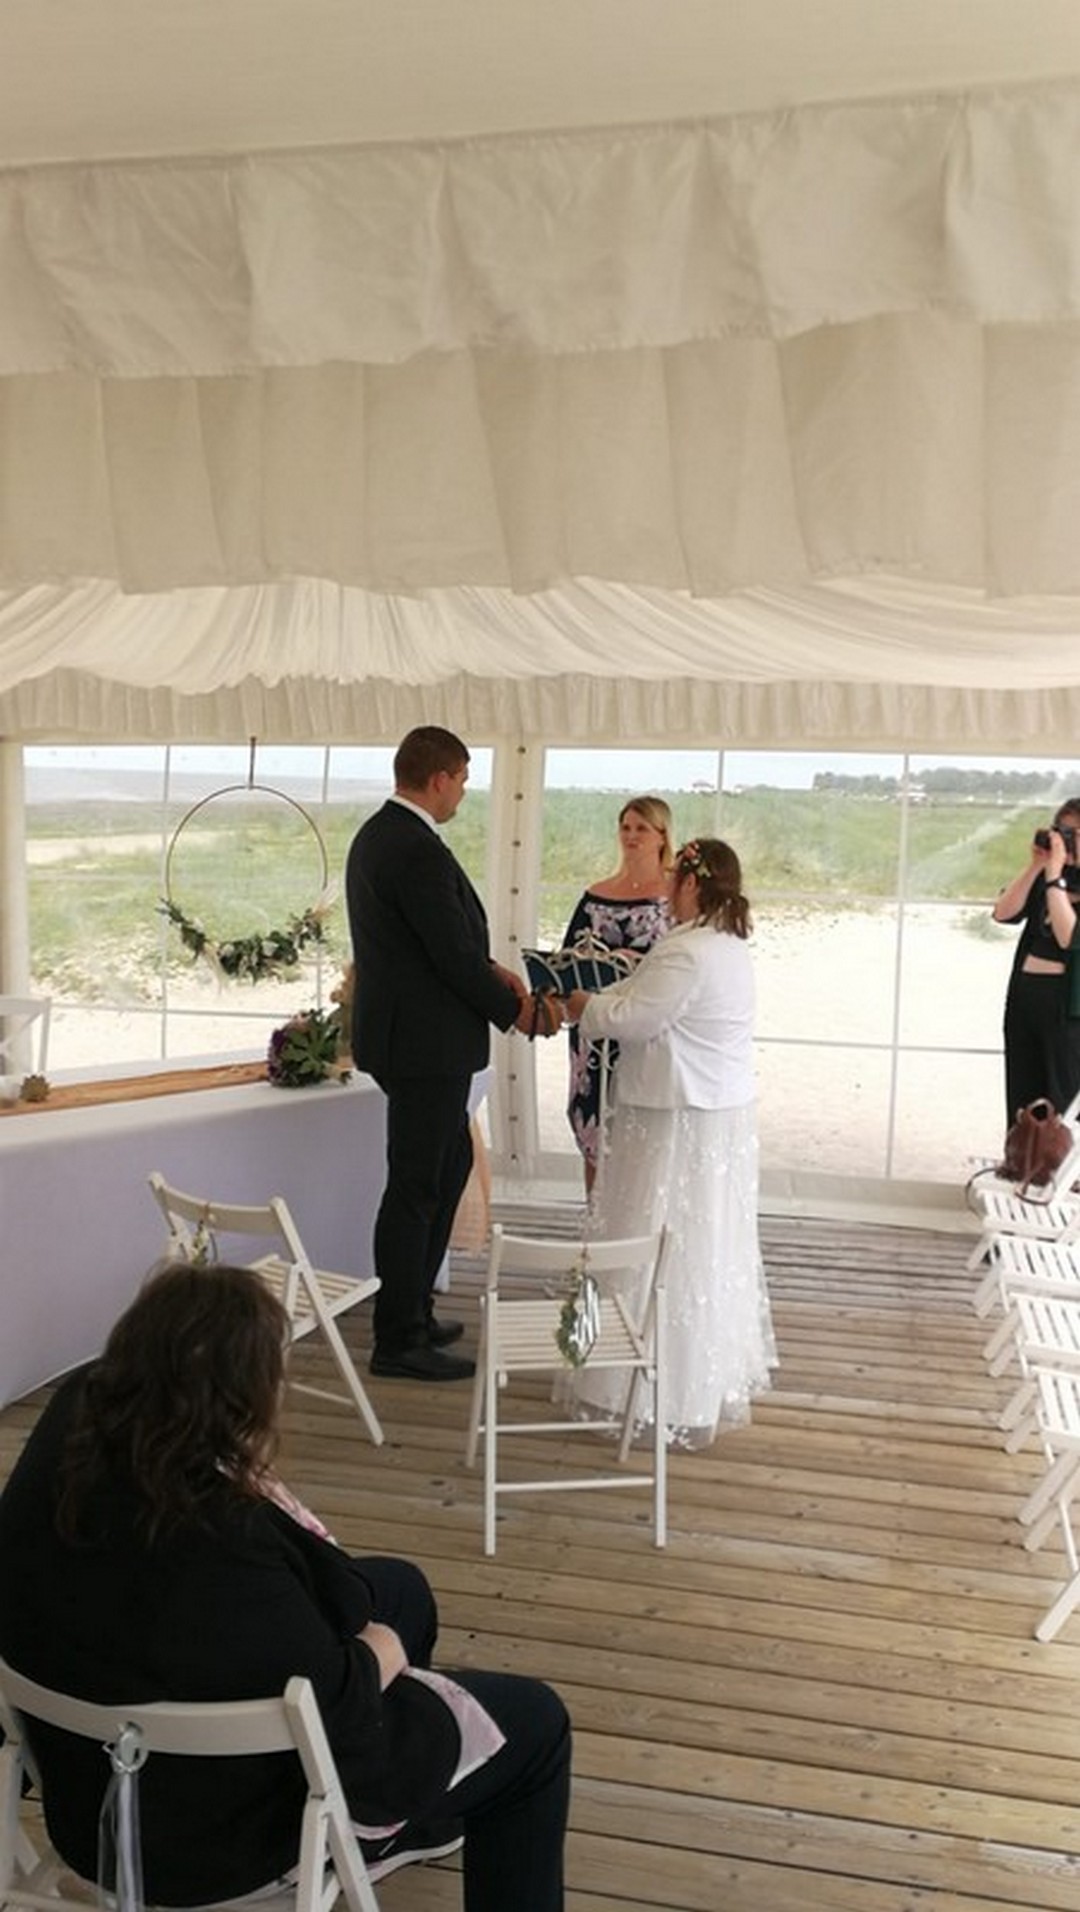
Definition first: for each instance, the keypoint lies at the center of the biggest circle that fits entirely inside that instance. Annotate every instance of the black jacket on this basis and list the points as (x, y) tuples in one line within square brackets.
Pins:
[(426, 992), (230, 1613)]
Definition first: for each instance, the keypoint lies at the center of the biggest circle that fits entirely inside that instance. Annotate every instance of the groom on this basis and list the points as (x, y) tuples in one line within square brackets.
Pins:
[(426, 994)]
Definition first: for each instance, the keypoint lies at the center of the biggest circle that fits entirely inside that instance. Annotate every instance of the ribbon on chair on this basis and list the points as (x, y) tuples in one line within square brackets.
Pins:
[(120, 1876)]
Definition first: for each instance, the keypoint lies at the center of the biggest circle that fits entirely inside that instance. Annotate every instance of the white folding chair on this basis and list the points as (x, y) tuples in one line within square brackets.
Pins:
[(1057, 1404), (1024, 1265), (24, 1033), (330, 1862), (518, 1336), (312, 1297), (1046, 1335), (1048, 1212)]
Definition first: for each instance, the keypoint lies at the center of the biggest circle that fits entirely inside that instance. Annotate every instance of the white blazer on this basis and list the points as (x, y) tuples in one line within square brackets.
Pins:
[(684, 1022)]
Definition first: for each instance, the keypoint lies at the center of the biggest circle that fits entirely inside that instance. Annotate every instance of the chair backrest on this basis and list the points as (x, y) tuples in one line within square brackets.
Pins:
[(186, 1214), (551, 1255), (223, 1728), (24, 1032)]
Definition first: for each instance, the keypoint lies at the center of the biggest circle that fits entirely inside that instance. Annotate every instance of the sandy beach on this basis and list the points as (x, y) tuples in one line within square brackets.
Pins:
[(830, 991)]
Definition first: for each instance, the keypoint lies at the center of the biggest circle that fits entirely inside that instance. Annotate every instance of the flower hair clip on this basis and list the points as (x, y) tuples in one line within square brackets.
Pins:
[(691, 861)]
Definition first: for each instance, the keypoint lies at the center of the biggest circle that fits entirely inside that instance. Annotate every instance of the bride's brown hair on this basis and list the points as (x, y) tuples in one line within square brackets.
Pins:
[(719, 878)]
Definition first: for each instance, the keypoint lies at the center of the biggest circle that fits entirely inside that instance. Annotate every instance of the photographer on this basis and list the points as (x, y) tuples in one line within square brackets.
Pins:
[(1042, 1040)]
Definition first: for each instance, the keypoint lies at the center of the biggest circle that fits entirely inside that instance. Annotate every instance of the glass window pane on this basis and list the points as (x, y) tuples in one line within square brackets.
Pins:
[(971, 821), (823, 1110), (950, 1116)]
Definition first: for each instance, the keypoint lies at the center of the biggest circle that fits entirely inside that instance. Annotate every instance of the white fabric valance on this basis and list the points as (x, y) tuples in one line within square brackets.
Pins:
[(761, 430), (894, 665), (914, 445), (759, 226)]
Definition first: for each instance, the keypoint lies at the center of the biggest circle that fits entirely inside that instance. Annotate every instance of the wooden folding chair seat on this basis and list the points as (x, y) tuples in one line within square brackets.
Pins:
[(1057, 1405), (24, 1034), (330, 1862), (312, 1297), (518, 1336)]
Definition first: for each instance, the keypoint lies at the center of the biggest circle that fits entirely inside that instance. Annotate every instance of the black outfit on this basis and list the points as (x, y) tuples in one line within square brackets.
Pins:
[(231, 1611), (1042, 1041), (425, 997)]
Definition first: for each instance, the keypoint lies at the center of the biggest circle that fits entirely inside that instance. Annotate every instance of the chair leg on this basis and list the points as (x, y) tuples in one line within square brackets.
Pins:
[(660, 1423), (629, 1404), (343, 1361), (1052, 1484), (986, 1292), (998, 1350), (975, 1260), (1055, 1617), (491, 1411), (478, 1390)]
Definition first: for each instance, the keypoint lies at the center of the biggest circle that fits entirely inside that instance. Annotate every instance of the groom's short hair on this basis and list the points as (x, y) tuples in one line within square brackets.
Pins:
[(423, 753)]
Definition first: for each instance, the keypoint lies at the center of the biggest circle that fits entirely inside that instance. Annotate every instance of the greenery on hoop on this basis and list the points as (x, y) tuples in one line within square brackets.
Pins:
[(270, 952)]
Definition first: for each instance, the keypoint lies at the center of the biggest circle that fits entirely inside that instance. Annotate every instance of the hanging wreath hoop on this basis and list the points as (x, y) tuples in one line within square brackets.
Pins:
[(263, 953)]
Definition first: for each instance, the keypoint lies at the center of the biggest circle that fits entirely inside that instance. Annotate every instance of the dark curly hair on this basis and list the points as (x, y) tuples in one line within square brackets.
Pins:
[(182, 1406), (719, 877)]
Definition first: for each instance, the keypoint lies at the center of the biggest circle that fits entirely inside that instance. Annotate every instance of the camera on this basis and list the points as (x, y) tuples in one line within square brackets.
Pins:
[(1065, 831)]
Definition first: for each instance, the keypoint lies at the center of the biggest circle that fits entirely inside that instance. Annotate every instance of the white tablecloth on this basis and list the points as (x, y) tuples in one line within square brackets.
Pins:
[(80, 1228)]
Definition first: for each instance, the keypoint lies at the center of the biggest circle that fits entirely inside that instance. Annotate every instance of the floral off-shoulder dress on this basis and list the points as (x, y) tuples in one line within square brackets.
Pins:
[(635, 924)]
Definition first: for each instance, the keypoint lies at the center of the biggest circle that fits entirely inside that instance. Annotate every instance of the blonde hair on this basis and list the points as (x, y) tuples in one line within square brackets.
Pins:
[(657, 814)]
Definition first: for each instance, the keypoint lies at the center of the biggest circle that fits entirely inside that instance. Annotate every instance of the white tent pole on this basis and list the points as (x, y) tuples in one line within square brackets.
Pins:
[(14, 886), (517, 787)]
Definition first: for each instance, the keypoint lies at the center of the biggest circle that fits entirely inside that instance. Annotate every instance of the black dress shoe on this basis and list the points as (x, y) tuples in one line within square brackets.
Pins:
[(441, 1333), (422, 1363)]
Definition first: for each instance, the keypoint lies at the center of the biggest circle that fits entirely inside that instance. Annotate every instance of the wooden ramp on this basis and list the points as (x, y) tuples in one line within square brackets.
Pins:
[(825, 1695)]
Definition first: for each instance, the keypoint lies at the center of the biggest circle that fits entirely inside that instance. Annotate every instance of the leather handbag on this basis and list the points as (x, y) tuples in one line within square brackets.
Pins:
[(1035, 1146)]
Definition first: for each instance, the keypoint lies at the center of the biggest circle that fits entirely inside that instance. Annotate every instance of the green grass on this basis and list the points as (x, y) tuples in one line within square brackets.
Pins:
[(95, 929)]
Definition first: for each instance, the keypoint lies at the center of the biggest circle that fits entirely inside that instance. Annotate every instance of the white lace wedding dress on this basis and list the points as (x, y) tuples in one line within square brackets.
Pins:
[(697, 1171)]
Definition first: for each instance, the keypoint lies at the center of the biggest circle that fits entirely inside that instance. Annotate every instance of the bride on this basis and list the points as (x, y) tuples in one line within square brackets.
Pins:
[(684, 1147)]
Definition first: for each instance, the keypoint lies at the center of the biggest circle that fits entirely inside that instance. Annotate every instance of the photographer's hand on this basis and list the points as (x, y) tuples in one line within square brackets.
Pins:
[(1056, 856)]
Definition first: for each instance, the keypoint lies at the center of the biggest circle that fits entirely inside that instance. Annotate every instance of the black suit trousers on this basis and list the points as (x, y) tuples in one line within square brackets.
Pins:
[(428, 1158)]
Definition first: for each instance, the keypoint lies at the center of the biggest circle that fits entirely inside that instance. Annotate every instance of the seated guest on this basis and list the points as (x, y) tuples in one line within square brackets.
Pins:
[(147, 1551)]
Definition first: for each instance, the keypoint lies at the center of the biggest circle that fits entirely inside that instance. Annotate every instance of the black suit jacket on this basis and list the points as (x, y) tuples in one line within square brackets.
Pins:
[(426, 993)]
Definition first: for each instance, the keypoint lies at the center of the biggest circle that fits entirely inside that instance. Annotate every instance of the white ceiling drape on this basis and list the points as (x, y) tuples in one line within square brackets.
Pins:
[(770, 422)]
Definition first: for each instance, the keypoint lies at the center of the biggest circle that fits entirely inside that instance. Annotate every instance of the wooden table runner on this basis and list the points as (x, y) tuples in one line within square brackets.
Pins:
[(85, 1095)]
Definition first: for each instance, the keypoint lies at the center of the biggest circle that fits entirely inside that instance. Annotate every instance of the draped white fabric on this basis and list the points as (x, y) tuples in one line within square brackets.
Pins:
[(765, 225), (831, 666), (763, 428)]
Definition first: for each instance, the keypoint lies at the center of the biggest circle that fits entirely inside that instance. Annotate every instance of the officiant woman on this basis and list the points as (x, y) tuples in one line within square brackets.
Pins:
[(628, 910)]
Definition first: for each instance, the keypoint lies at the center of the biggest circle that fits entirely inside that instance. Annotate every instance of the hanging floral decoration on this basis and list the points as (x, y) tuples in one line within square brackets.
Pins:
[(265, 952), (268, 952), (306, 1050), (578, 1329)]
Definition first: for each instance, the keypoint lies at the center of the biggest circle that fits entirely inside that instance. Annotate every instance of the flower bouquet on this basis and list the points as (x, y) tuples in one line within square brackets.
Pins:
[(306, 1050)]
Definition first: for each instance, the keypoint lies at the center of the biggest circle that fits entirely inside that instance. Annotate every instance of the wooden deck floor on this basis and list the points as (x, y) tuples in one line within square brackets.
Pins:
[(824, 1696)]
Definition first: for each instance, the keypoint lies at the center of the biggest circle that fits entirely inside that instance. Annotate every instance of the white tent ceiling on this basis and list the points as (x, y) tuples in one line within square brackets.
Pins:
[(599, 368)]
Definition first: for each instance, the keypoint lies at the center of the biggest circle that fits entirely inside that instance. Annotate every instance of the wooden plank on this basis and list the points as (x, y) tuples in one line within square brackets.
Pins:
[(825, 1692)]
